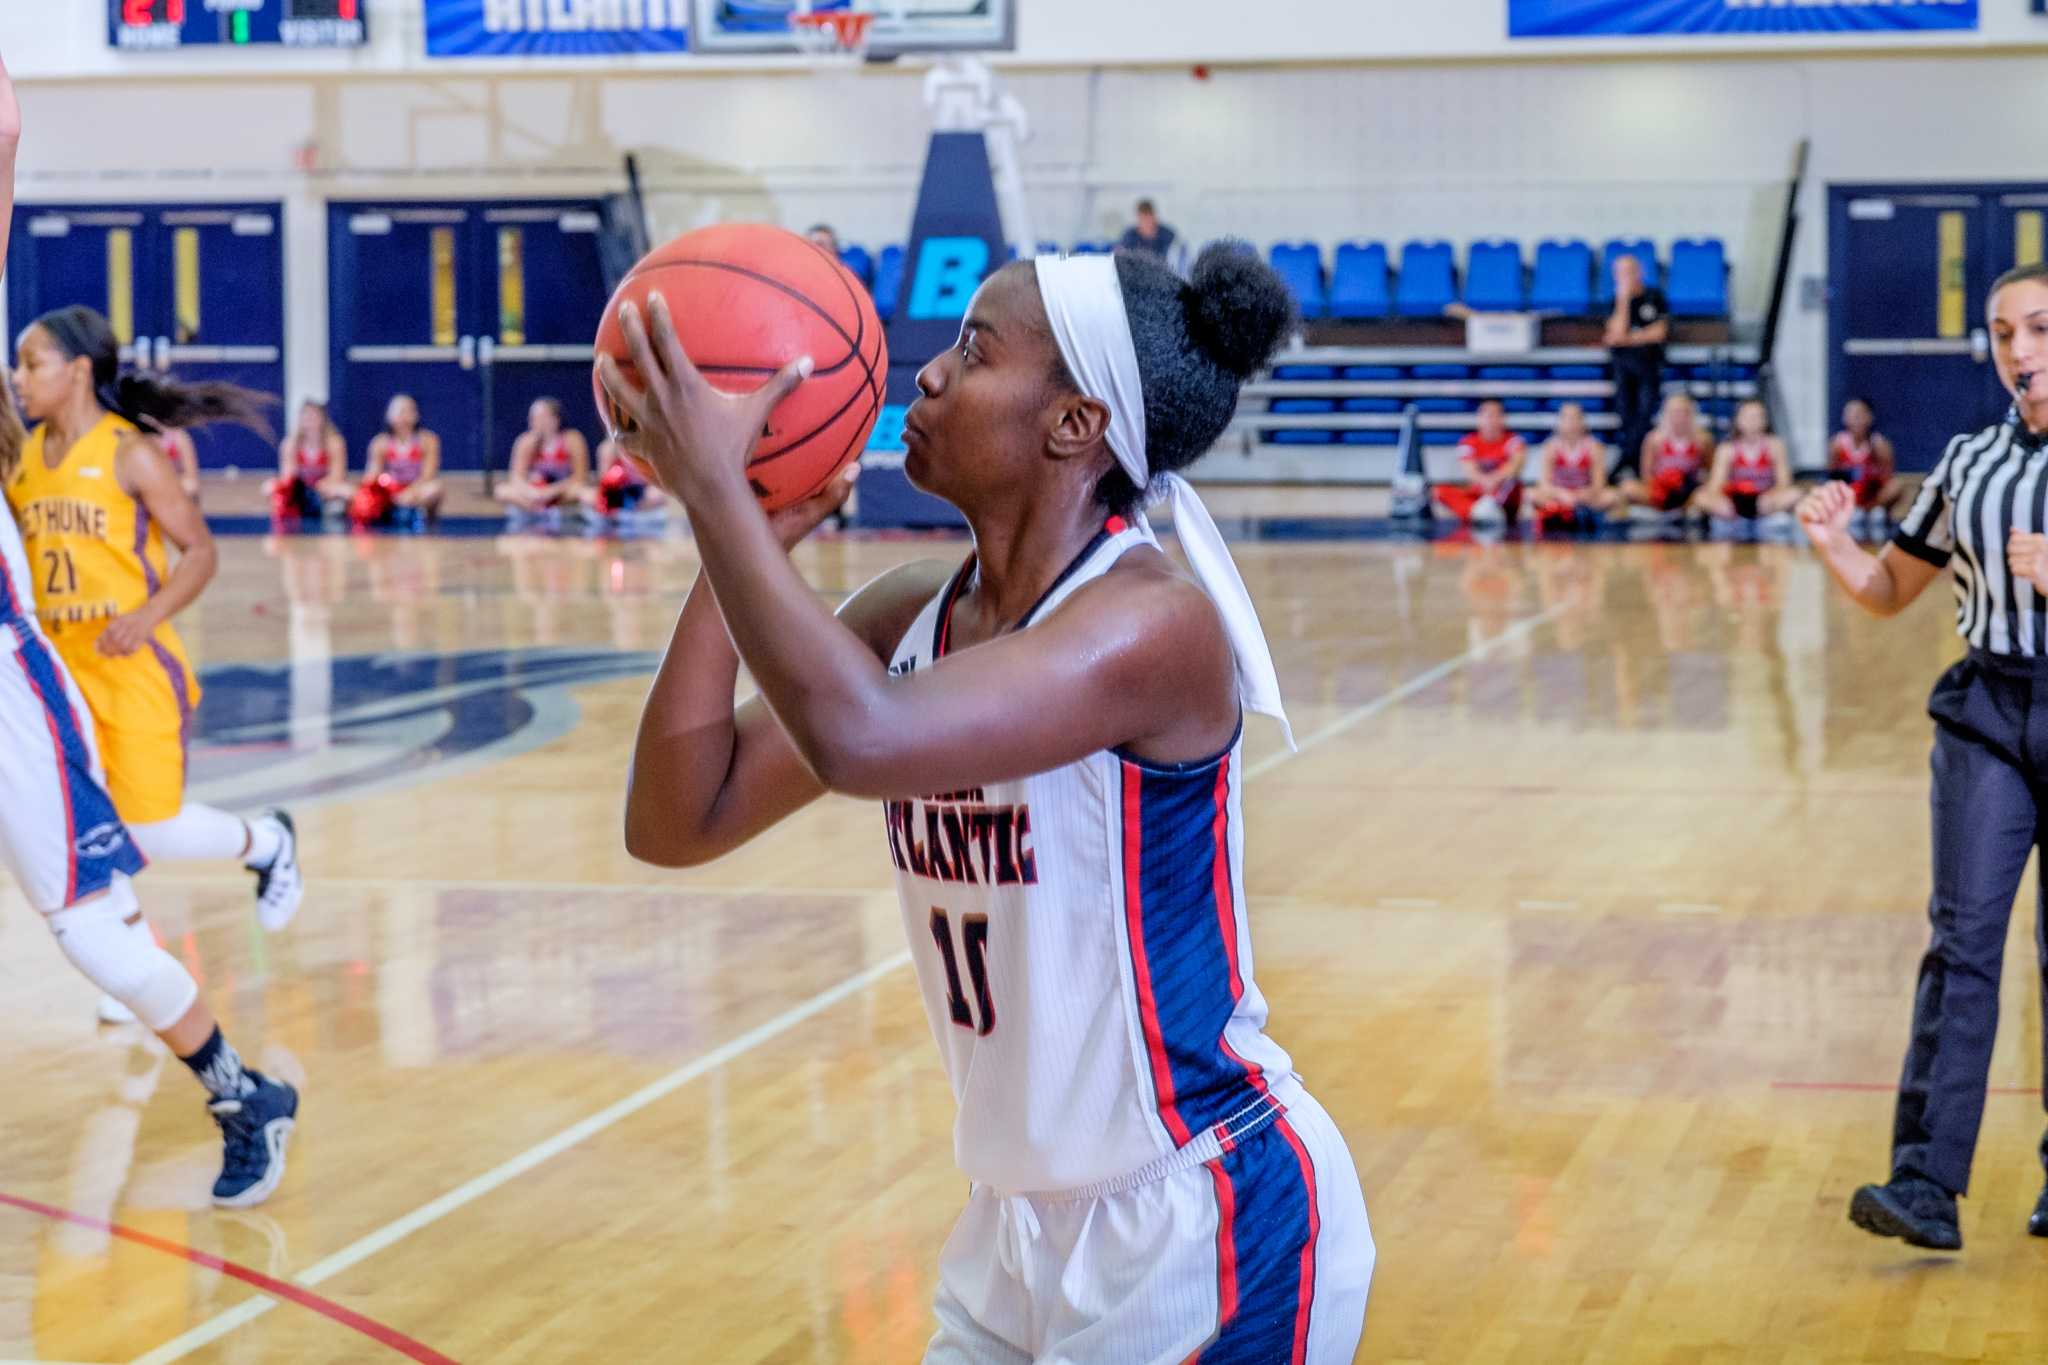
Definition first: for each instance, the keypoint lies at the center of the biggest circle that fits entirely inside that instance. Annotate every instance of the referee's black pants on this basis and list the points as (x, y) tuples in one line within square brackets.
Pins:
[(1990, 807)]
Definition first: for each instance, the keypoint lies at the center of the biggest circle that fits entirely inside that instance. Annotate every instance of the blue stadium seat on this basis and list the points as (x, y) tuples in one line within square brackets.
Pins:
[(1578, 372), (1048, 248), (1372, 437), (1371, 405), (1375, 372), (1699, 278), (1493, 278), (1564, 279), (1300, 264), (1443, 404), (1643, 249), (1443, 371), (1521, 404), (1512, 372), (1304, 405), (1429, 280), (857, 259), (1292, 437), (1305, 372), (1358, 284), (1093, 248), (888, 281)]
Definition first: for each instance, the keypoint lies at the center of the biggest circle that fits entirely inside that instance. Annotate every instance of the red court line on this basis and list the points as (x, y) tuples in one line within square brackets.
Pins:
[(277, 1289), (1886, 1087)]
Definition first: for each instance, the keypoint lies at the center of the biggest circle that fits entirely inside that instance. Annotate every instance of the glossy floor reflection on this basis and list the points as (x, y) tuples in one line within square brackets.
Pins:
[(1589, 909)]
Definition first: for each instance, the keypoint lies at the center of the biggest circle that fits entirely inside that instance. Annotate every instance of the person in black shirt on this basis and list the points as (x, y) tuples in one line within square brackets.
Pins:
[(1985, 507), (1636, 333), (1149, 234)]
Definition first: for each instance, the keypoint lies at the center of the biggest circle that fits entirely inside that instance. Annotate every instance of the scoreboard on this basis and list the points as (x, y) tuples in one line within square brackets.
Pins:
[(165, 25)]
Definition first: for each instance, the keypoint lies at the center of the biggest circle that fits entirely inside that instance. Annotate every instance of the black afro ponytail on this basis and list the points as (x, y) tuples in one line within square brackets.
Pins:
[(1197, 340)]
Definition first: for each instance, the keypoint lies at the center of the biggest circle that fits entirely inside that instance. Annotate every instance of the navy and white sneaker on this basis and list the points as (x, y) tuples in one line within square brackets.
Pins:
[(279, 887), (254, 1130)]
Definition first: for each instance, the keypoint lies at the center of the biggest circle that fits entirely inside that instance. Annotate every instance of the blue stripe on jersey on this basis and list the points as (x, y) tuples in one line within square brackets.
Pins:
[(100, 843), (1181, 962), (1265, 1250)]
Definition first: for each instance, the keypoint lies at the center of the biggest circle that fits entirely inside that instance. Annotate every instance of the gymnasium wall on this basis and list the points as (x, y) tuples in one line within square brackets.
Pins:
[(1525, 149)]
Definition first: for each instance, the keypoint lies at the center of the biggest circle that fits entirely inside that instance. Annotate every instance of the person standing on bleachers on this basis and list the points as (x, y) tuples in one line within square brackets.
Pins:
[(1491, 458), (1148, 234), (1636, 332)]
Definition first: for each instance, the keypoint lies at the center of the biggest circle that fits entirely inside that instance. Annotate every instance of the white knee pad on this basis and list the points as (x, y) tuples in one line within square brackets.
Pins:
[(123, 959)]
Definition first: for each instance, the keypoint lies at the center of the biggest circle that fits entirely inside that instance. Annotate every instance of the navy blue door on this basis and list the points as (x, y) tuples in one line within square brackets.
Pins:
[(1909, 269), (196, 290), (403, 316), (474, 308), (545, 292)]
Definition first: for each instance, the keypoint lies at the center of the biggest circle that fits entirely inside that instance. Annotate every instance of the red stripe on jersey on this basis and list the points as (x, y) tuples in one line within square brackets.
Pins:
[(1308, 1250), (1226, 1245), (1141, 967), (1226, 917)]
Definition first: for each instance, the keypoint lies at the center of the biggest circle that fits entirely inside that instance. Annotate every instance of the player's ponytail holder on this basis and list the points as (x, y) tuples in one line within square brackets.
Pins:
[(1085, 304)]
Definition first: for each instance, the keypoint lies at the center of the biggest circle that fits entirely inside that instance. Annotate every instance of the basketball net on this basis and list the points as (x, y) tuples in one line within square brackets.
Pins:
[(835, 33)]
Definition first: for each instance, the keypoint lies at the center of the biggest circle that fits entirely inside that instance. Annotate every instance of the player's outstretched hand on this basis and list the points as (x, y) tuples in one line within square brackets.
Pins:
[(1824, 513), (2027, 554)]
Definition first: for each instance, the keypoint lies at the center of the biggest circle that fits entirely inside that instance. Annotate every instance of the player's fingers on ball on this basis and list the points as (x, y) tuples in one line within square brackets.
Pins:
[(675, 360), (638, 349), (784, 383)]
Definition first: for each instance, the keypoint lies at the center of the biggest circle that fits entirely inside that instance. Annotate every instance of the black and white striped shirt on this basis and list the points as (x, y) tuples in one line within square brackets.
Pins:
[(1986, 485)]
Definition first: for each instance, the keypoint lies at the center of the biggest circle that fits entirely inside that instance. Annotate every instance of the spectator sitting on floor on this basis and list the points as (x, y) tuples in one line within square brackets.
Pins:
[(1491, 458), (1674, 457), (1752, 474), (1861, 456), (1571, 492)]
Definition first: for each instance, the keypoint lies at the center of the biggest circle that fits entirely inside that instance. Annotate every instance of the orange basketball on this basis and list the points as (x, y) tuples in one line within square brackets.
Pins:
[(747, 299)]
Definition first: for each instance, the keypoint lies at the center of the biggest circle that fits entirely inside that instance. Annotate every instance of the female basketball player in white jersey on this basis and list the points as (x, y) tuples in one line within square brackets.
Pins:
[(1055, 730), (550, 463), (63, 842)]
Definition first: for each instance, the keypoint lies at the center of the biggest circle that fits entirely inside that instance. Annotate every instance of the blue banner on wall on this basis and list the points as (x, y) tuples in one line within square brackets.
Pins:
[(1632, 18), (556, 28)]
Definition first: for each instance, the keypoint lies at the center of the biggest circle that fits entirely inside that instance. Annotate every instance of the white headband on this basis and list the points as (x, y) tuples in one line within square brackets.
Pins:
[(1085, 304)]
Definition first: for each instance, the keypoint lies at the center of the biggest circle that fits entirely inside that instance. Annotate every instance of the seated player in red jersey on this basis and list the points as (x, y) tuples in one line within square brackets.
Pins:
[(620, 488), (402, 470), (1675, 458), (1752, 474), (550, 463), (1492, 459), (1571, 492), (1860, 455), (312, 466)]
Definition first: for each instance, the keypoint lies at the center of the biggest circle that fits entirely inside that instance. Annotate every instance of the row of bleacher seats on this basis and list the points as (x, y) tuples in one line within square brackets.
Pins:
[(1360, 284), (1363, 404)]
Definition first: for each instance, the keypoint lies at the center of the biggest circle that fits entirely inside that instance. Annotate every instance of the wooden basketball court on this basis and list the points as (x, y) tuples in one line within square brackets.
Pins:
[(1589, 907)]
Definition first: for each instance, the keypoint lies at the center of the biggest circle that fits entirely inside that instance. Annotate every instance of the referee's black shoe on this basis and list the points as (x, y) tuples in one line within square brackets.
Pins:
[(2038, 1224), (1909, 1206)]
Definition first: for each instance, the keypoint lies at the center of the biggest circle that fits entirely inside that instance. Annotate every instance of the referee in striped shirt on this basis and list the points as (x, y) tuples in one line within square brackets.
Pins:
[(1983, 513)]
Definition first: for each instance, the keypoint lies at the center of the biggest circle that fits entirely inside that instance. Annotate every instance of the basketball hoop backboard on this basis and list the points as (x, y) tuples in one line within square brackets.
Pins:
[(898, 27)]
